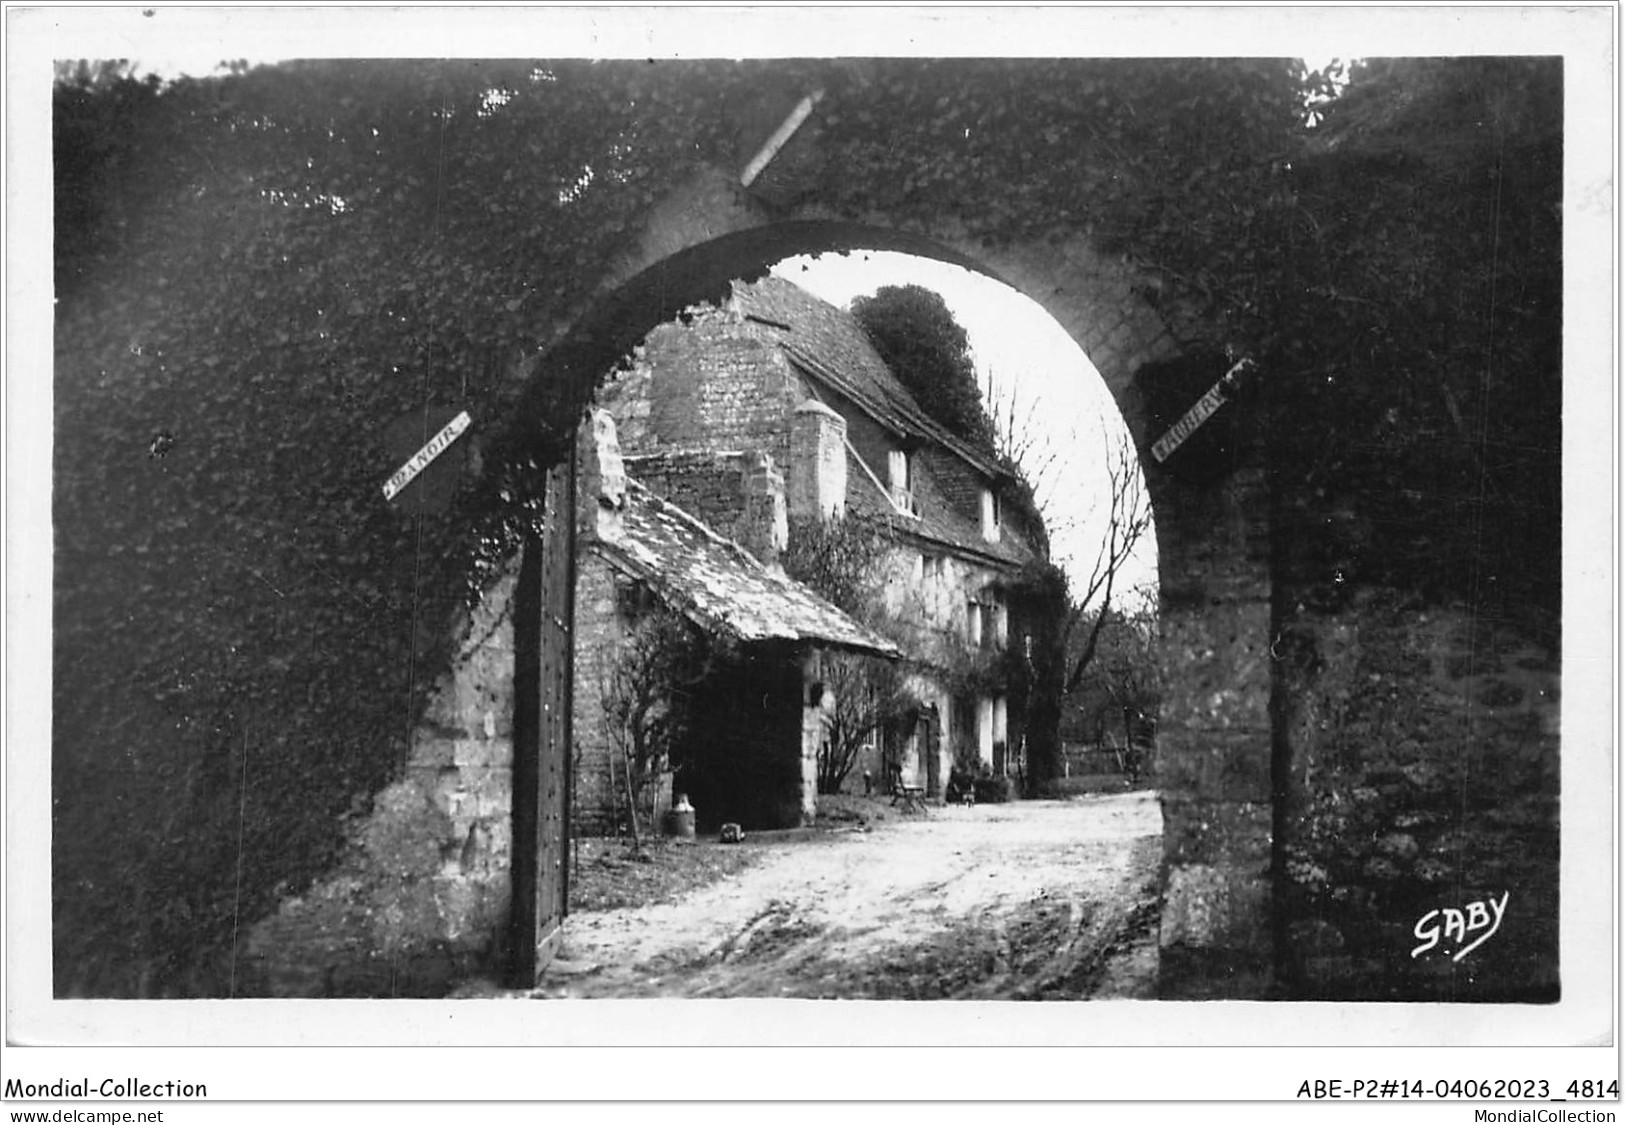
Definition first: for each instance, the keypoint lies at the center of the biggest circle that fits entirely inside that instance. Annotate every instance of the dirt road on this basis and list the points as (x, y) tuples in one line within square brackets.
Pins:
[(1034, 899)]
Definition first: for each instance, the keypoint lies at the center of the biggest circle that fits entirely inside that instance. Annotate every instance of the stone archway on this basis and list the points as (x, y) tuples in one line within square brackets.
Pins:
[(1212, 524), (883, 160), (457, 794)]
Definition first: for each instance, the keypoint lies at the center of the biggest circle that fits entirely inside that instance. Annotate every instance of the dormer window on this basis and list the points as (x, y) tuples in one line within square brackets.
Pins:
[(900, 481), (897, 469), (991, 515)]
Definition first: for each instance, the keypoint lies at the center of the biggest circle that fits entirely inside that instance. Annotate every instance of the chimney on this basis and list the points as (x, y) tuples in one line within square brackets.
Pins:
[(765, 527), (602, 483), (817, 462)]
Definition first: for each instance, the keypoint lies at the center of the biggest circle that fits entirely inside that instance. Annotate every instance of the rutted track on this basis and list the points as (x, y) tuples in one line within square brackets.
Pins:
[(1031, 900)]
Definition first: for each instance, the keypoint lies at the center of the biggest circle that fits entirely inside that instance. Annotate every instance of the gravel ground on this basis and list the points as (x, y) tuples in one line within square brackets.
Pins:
[(1028, 900)]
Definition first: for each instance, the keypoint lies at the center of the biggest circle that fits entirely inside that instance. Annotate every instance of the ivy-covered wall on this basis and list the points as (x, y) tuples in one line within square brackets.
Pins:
[(1417, 509)]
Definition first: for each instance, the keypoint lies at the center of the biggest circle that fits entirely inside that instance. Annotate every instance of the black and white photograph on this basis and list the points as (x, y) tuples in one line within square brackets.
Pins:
[(814, 534)]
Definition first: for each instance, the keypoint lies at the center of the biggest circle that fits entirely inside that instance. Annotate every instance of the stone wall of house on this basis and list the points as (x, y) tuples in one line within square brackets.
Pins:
[(713, 383), (607, 604), (606, 611), (763, 527), (709, 486), (420, 898), (815, 714), (740, 496), (600, 632), (931, 602), (930, 607)]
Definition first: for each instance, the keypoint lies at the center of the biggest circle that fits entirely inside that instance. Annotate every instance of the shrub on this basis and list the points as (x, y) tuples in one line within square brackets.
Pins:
[(993, 790)]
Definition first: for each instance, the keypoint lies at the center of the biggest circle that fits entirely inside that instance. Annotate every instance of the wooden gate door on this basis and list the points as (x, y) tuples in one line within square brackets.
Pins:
[(543, 610)]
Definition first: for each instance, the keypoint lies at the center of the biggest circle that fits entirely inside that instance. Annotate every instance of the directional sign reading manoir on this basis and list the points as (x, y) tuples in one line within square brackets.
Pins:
[(1205, 407), (421, 459)]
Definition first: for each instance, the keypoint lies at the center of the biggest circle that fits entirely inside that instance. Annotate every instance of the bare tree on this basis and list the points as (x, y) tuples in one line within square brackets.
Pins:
[(1066, 662), (837, 558), (867, 694), (1128, 518), (644, 697), (1019, 437), (1120, 692)]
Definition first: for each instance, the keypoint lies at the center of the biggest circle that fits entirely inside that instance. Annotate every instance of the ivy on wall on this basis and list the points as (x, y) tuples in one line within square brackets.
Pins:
[(1418, 305), (1418, 562)]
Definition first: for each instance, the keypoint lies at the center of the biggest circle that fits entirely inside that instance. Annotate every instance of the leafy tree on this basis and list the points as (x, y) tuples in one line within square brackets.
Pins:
[(922, 343), (924, 346)]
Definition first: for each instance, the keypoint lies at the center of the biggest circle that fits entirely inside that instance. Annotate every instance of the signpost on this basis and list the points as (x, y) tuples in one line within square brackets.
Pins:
[(780, 138), (421, 459), (1217, 396)]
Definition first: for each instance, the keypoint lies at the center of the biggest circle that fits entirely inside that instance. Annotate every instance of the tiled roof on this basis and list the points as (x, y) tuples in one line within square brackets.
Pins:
[(830, 346), (721, 586), (936, 523)]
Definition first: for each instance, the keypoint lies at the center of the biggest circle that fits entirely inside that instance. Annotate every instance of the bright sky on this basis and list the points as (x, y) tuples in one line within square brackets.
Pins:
[(1025, 354)]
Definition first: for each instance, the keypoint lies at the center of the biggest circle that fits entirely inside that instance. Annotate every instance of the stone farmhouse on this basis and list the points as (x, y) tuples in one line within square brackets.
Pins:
[(718, 401)]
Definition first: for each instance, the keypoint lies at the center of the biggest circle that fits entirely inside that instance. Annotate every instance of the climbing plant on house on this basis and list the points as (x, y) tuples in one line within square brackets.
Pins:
[(843, 560)]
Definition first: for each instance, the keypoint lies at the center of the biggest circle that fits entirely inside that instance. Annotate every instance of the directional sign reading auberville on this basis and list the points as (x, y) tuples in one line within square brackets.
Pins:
[(1217, 396), (421, 459)]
